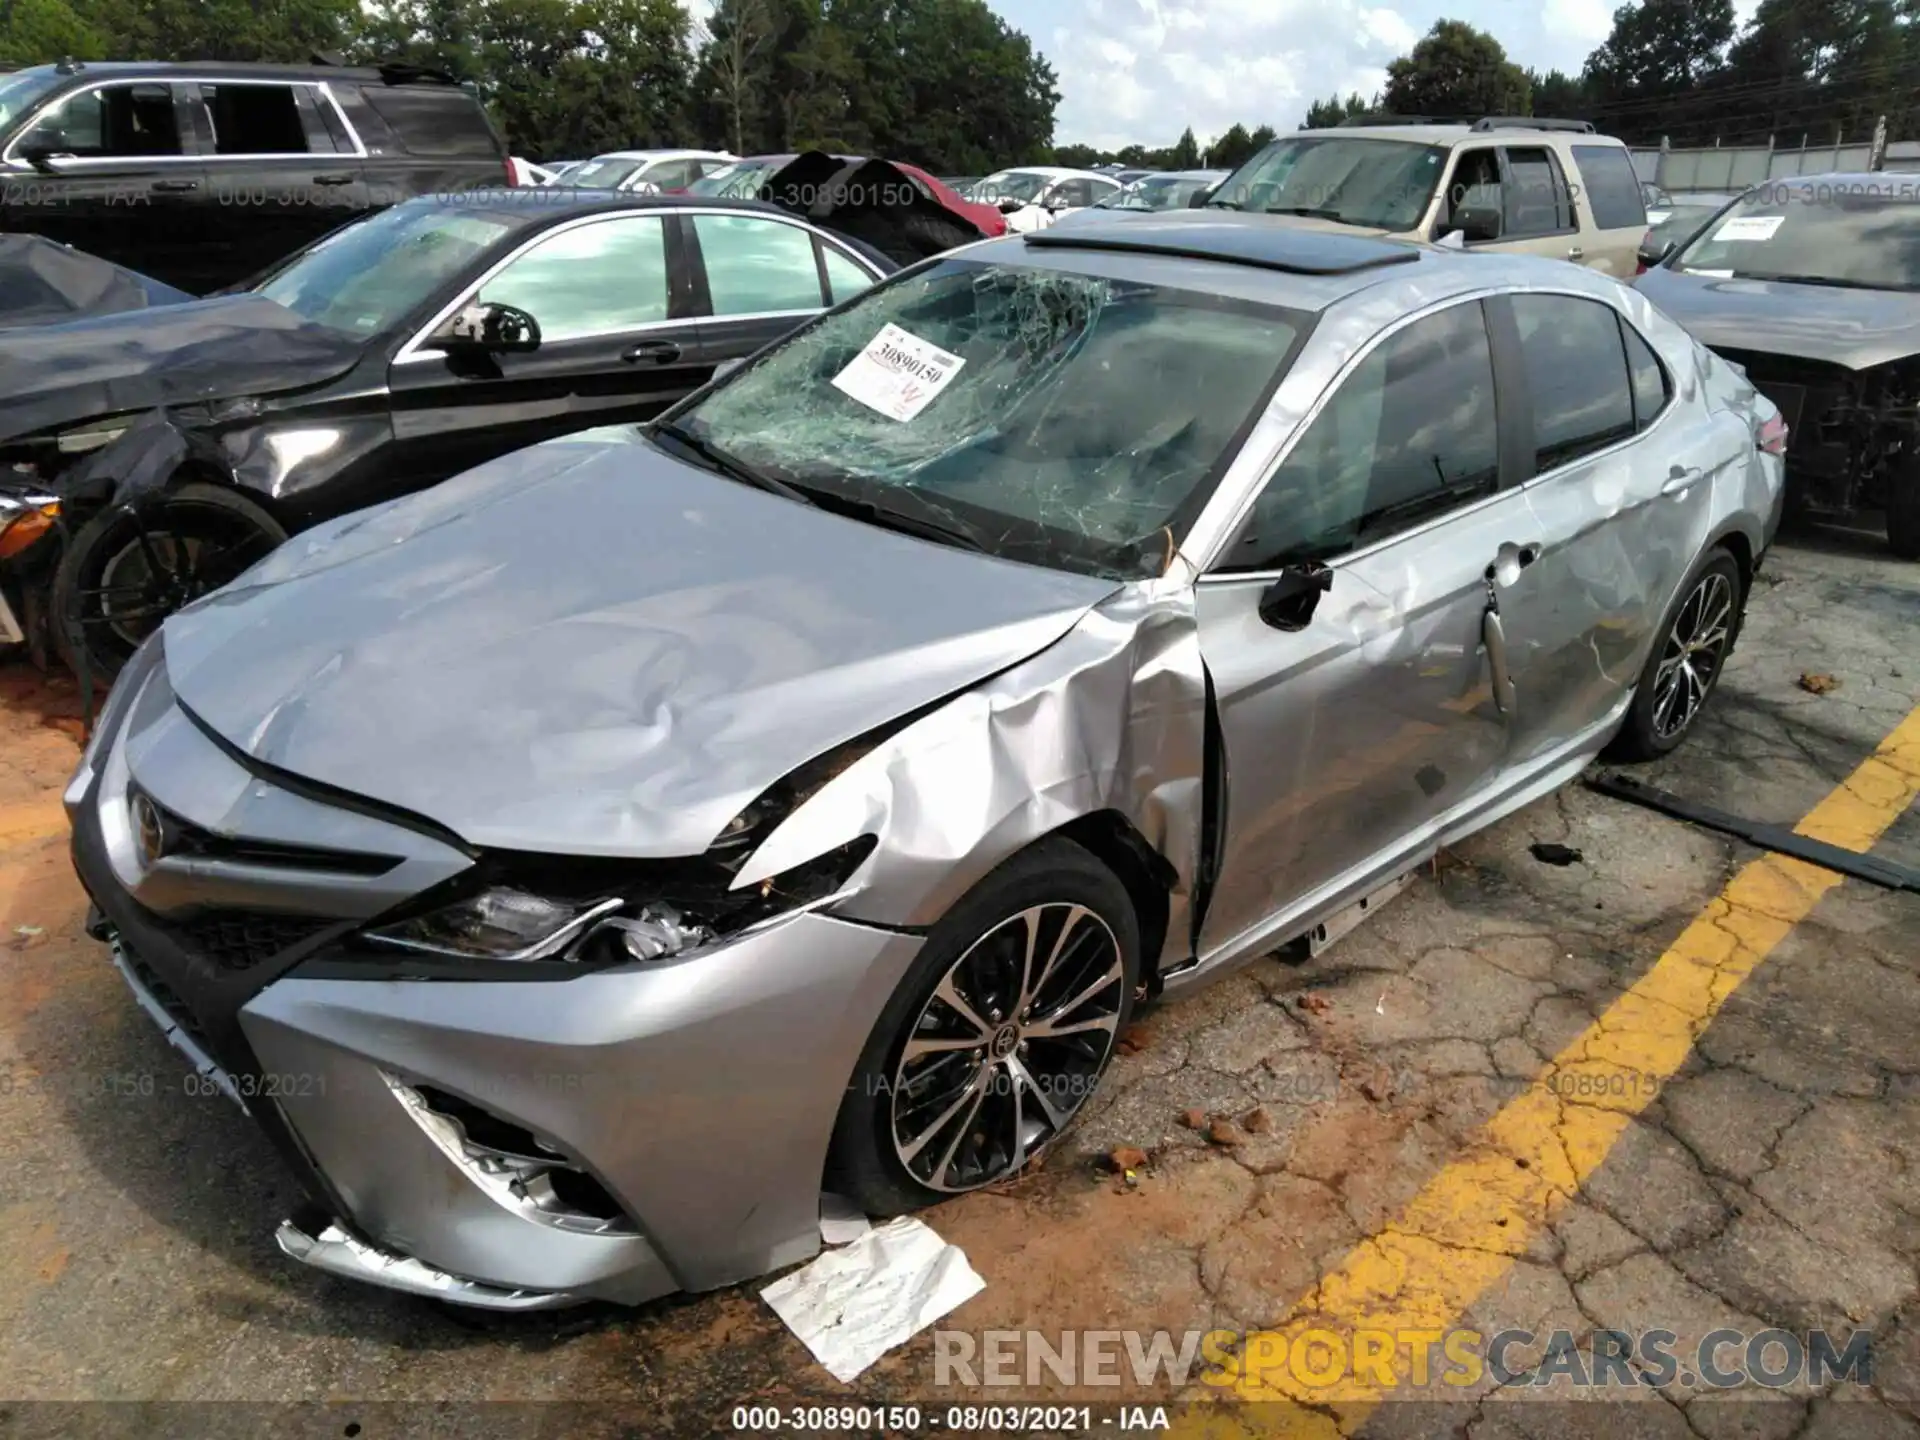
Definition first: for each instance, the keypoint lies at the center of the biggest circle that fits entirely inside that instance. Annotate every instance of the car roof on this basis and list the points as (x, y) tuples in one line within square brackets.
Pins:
[(1268, 260), (1450, 134), (1052, 170), (663, 155), (238, 69)]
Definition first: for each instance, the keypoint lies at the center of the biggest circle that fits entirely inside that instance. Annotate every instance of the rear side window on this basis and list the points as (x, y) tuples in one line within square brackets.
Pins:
[(1536, 198), (111, 121), (1576, 376), (1647, 376), (757, 267), (1613, 189), (844, 278), (433, 120), (1411, 434), (255, 120)]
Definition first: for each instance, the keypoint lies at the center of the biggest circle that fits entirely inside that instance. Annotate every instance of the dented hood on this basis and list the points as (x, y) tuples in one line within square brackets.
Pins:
[(592, 648), (44, 283), (198, 351), (1840, 326)]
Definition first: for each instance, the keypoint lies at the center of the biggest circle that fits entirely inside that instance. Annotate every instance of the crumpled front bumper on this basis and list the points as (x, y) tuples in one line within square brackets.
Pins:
[(697, 1093)]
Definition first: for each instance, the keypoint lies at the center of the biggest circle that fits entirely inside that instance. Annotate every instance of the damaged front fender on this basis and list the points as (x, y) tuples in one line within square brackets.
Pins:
[(1109, 719)]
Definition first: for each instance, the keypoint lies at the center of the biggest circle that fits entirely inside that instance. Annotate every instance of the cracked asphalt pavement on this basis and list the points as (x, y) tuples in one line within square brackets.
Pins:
[(1307, 1127)]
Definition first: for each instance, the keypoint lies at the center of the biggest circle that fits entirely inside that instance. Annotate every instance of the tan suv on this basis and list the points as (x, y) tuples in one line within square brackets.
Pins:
[(1536, 187)]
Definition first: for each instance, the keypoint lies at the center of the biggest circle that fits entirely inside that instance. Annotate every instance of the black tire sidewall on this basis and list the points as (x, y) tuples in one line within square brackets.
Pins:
[(862, 1164), (80, 554), (1637, 739)]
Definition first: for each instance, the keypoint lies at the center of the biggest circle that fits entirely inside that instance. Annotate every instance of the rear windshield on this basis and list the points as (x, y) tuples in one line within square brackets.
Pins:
[(1613, 189), (436, 120), (1854, 234), (1382, 184)]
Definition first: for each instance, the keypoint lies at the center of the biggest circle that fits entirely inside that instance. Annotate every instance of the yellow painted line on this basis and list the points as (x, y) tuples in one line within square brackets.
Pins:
[(33, 820), (1458, 1238)]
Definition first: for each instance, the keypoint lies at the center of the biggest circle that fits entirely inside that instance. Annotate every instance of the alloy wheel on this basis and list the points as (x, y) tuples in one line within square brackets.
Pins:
[(147, 577), (1691, 658), (1008, 1047)]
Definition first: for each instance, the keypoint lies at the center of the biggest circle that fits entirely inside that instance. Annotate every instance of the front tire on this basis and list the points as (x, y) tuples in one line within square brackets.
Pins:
[(200, 535), (1696, 636), (996, 1038)]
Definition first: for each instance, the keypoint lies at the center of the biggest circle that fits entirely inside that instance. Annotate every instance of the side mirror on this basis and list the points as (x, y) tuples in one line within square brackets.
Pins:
[(1477, 222), (1652, 252), (1289, 602), (495, 329), (42, 154)]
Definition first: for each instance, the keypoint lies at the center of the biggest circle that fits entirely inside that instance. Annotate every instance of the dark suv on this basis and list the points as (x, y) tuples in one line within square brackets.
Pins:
[(204, 174)]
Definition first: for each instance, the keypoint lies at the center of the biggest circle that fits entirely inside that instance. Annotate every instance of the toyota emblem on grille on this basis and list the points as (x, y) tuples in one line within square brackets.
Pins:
[(149, 832)]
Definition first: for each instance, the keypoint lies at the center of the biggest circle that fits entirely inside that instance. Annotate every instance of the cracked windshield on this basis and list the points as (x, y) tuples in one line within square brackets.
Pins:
[(1065, 419)]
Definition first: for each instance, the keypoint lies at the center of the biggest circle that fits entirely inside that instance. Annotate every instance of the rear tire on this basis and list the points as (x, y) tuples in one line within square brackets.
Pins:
[(207, 533), (979, 1100), (1696, 635)]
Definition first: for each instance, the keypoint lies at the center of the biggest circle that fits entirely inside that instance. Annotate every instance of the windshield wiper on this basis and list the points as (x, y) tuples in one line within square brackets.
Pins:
[(1826, 280), (888, 518), (721, 462), (1318, 212)]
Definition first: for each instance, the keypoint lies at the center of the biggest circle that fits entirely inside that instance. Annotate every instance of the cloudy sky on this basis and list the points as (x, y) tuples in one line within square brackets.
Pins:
[(1141, 70)]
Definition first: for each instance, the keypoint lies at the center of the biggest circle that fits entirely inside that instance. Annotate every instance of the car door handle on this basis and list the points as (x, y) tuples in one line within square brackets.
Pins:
[(173, 187), (1575, 253), (1493, 635), (333, 179), (656, 352), (1680, 479)]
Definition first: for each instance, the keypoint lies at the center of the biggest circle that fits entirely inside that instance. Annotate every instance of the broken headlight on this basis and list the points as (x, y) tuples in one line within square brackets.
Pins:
[(496, 924)]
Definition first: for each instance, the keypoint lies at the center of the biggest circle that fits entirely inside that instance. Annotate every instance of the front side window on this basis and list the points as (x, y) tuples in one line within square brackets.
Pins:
[(1474, 191), (1063, 419), (373, 273), (1385, 184), (595, 279), (1410, 434), (757, 267), (1576, 376), (1853, 234), (111, 121)]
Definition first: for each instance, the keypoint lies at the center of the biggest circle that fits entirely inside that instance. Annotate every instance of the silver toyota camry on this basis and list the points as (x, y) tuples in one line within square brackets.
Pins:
[(576, 867)]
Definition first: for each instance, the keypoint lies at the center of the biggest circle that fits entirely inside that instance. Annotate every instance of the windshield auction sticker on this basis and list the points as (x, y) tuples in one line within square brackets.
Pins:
[(898, 374), (1750, 227)]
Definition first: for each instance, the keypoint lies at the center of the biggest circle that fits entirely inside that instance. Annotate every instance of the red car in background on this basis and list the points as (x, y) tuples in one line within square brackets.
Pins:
[(750, 178)]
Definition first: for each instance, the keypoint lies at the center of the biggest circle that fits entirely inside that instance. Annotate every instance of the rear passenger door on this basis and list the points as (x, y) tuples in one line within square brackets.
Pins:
[(121, 182), (1615, 205), (756, 277), (1615, 529), (282, 169)]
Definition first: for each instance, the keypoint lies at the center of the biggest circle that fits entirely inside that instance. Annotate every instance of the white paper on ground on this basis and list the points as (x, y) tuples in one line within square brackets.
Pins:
[(841, 1221), (851, 1306), (898, 373), (1750, 227)]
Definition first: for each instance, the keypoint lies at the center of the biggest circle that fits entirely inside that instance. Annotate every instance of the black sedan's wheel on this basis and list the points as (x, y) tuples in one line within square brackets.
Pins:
[(997, 1037), (121, 577), (1695, 639)]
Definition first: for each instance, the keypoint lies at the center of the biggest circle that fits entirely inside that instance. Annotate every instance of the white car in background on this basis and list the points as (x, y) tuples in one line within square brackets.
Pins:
[(525, 172), (643, 170), (1034, 196)]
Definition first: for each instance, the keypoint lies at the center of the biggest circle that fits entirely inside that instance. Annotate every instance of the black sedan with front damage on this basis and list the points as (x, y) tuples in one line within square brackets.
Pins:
[(171, 448), (1812, 286)]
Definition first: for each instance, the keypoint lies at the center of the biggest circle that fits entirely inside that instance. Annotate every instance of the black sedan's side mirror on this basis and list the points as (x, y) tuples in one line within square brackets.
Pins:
[(1654, 251), (493, 328), (1289, 602)]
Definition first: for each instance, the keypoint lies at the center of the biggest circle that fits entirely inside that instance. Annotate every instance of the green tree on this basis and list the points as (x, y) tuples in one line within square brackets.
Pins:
[(288, 30), (1325, 114), (1559, 96), (1185, 154), (33, 32), (1262, 138), (1660, 47), (1457, 70), (1233, 149)]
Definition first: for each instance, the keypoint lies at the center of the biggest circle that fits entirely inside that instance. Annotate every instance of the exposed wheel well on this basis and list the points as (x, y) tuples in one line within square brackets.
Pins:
[(1148, 877), (1737, 545)]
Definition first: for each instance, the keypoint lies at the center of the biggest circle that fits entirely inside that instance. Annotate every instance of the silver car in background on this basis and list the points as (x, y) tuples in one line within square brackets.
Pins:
[(577, 866)]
